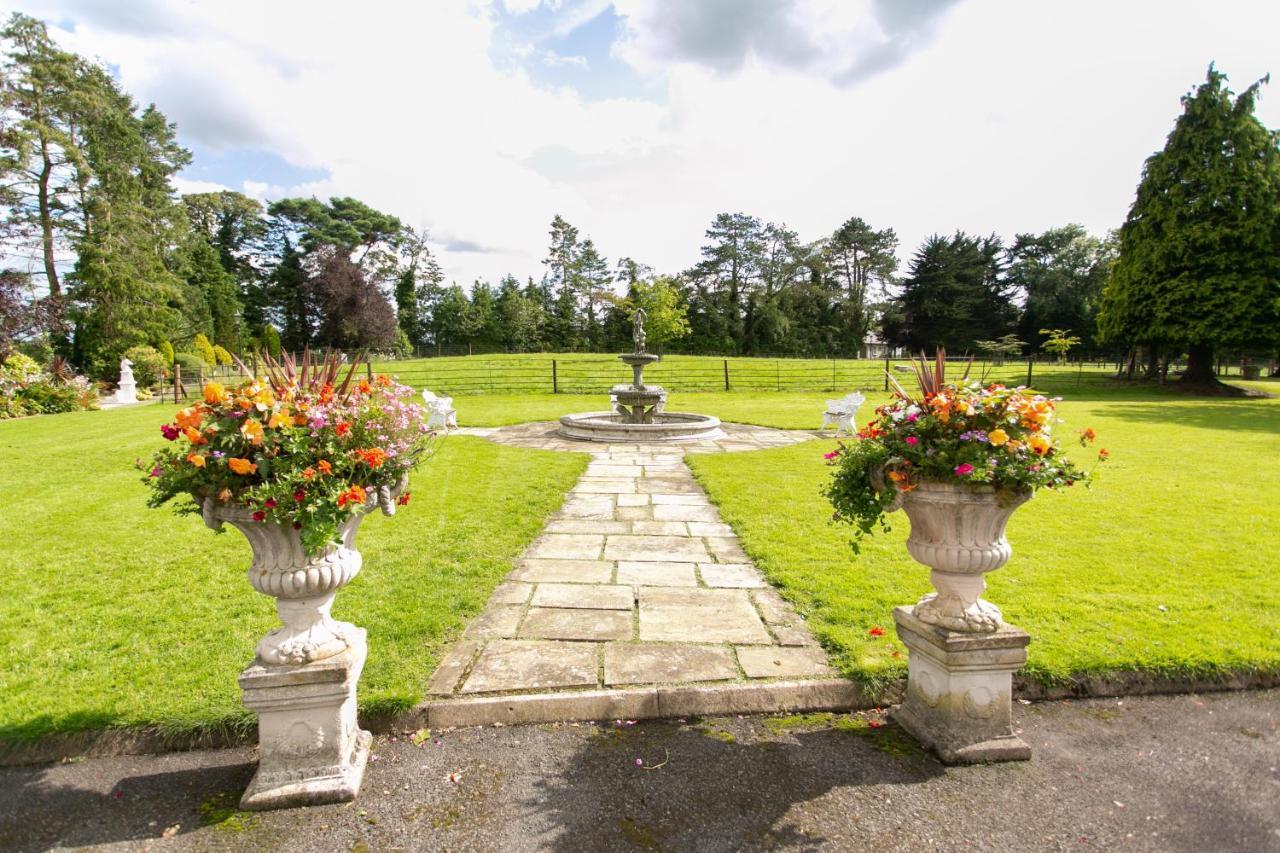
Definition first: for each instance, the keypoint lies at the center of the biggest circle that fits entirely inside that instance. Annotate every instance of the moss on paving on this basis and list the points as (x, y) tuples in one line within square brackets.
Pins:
[(112, 614), (1166, 566)]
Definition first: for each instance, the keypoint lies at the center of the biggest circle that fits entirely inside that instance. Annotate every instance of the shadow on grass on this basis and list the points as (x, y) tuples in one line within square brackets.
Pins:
[(1221, 415), (714, 793), (107, 808)]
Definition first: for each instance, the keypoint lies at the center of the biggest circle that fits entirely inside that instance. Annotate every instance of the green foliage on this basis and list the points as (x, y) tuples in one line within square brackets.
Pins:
[(667, 315), (21, 368), (1059, 342), (204, 349), (223, 357), (149, 364), (216, 288), (47, 398), (190, 363), (859, 499), (954, 295), (271, 341), (1005, 345), (1062, 273), (1199, 263), (166, 352)]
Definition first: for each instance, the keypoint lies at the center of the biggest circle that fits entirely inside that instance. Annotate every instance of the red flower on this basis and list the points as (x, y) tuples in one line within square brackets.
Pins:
[(403, 500), (259, 516), (876, 631), (299, 495), (170, 432), (875, 724), (269, 503), (342, 427)]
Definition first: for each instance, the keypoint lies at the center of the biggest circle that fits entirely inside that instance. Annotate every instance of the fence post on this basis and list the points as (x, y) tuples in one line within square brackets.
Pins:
[(886, 373), (777, 374), (177, 380), (726, 374), (368, 369), (555, 378), (833, 375), (1029, 363)]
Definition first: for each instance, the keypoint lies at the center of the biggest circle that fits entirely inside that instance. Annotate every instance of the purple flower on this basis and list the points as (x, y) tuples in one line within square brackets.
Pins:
[(974, 435), (157, 471), (217, 454)]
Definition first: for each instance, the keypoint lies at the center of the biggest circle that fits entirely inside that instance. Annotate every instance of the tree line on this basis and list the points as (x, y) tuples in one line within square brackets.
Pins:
[(115, 258)]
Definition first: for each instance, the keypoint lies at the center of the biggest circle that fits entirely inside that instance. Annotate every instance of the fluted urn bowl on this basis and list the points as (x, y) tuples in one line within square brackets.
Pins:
[(958, 531), (303, 585)]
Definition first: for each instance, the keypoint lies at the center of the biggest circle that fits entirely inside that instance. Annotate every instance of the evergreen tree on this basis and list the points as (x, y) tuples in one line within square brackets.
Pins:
[(953, 296), (1199, 262), (861, 261), (210, 282), (561, 286), (719, 283), (1061, 273)]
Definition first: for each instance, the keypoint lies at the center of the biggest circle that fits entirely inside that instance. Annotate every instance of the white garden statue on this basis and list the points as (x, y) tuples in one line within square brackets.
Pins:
[(842, 413), (128, 390), (440, 411)]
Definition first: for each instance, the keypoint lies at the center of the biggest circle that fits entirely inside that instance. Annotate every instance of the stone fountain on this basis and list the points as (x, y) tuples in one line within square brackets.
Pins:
[(638, 409)]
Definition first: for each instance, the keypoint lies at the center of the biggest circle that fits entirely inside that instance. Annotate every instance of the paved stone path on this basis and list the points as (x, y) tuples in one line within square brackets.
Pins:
[(635, 582)]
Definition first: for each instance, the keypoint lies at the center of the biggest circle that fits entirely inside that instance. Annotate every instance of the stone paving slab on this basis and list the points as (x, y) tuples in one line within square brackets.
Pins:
[(637, 600)]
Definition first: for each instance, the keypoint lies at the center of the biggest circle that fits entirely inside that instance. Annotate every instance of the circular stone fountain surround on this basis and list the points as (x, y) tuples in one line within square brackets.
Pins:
[(638, 414)]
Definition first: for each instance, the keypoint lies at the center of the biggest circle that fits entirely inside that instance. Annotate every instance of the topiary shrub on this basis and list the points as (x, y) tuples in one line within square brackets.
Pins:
[(221, 354), (271, 341), (148, 365), (204, 349), (190, 363), (166, 351)]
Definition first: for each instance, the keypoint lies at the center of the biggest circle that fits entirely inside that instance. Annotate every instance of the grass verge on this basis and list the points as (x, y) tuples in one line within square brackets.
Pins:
[(115, 615), (1166, 566)]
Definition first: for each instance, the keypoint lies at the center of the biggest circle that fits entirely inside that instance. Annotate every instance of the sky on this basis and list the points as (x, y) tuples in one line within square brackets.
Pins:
[(640, 120)]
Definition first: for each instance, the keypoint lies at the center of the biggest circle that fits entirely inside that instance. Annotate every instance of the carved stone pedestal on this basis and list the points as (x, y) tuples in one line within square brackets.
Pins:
[(310, 749), (959, 690)]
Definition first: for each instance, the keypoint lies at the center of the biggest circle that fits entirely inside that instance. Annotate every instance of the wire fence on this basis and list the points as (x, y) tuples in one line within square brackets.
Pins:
[(586, 374)]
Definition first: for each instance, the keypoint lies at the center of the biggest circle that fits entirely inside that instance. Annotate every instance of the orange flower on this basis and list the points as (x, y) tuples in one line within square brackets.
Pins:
[(326, 393), (196, 459), (193, 435), (1104, 454), (242, 466), (1039, 444), (189, 417), (281, 418), (373, 458), (324, 466), (383, 380), (1087, 434), (224, 495), (308, 473), (214, 393), (252, 430), (1013, 446), (354, 495), (364, 387)]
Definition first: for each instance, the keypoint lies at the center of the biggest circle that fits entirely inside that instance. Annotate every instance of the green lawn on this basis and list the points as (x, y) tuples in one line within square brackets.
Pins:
[(112, 614), (1166, 565)]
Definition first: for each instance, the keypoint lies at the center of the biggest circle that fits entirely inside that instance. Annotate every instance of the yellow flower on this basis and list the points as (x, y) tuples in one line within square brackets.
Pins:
[(252, 430), (214, 393), (1039, 444), (280, 419), (196, 459), (1013, 446), (997, 437)]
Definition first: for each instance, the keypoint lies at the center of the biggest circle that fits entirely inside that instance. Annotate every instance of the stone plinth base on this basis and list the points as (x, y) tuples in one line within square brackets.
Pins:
[(310, 749), (959, 690)]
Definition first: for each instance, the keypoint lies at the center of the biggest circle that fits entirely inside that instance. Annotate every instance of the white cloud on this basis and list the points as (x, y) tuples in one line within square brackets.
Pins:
[(555, 60), (520, 7), (186, 186), (995, 116)]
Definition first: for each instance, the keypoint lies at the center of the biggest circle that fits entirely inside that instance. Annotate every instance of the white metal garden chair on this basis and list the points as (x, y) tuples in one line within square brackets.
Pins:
[(440, 411), (842, 413)]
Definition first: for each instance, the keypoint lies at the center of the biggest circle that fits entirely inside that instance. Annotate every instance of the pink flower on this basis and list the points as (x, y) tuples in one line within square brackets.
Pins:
[(832, 455), (964, 469), (913, 417), (170, 432), (912, 440)]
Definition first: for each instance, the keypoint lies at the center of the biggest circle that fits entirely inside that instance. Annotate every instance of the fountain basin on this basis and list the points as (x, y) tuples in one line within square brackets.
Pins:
[(666, 427)]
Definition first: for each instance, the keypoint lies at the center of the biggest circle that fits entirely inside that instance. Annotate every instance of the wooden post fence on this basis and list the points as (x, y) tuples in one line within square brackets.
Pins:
[(555, 378), (726, 374)]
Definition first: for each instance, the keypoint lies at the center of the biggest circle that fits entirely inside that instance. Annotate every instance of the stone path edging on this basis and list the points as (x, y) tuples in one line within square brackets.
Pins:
[(636, 601)]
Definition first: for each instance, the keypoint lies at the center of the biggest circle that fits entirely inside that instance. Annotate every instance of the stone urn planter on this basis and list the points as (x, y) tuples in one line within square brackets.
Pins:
[(962, 655), (958, 532), (302, 682)]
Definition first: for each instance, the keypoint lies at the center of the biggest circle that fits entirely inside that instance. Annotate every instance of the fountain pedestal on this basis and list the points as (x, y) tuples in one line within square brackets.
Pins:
[(638, 409)]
